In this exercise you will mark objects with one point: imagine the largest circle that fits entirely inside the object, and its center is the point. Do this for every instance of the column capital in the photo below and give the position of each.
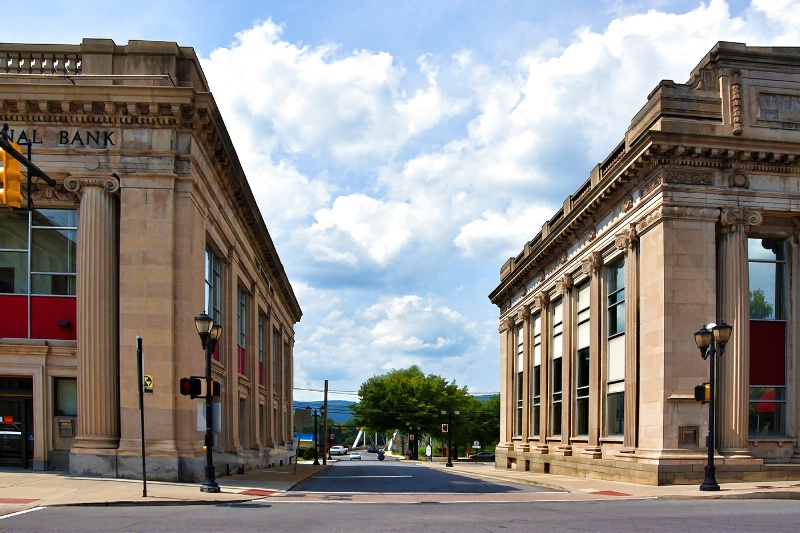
(593, 263)
(542, 299)
(739, 218)
(627, 238)
(77, 182)
(565, 284)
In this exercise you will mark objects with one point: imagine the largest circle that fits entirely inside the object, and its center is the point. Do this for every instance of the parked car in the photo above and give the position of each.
(355, 456)
(372, 448)
(338, 450)
(482, 456)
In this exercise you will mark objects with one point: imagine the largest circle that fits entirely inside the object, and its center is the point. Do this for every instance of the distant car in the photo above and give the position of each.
(372, 448)
(482, 456)
(338, 450)
(355, 456)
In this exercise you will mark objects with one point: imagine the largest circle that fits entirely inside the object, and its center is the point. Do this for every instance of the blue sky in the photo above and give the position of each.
(402, 151)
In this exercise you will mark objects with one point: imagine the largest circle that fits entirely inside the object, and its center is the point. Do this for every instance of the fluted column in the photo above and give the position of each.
(98, 305)
(734, 308)
(628, 242)
(527, 366)
(507, 345)
(794, 332)
(564, 286)
(542, 301)
(591, 266)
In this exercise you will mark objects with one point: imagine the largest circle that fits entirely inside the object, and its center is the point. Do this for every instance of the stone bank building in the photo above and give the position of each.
(693, 218)
(151, 223)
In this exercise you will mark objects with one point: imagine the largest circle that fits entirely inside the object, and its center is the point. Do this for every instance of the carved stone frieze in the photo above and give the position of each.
(47, 193)
(675, 211)
(688, 178)
(739, 179)
(736, 104)
(739, 218)
(651, 185)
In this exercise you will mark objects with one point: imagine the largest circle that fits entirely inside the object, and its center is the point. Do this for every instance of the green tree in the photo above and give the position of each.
(759, 307)
(407, 398)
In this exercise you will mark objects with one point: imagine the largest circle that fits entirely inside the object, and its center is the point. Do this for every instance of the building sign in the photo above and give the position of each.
(8, 419)
(65, 138)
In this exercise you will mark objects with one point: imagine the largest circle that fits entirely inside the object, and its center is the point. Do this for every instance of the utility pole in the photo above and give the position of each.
(325, 435)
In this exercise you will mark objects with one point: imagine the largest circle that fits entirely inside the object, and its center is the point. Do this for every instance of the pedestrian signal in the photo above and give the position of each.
(445, 428)
(191, 387)
(702, 393)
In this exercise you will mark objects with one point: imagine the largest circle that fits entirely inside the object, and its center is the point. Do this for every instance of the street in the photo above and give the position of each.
(272, 515)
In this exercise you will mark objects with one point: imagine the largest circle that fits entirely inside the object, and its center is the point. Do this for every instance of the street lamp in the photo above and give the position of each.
(712, 345)
(450, 434)
(209, 332)
(315, 415)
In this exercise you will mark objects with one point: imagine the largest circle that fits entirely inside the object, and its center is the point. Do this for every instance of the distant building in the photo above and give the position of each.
(693, 218)
(152, 222)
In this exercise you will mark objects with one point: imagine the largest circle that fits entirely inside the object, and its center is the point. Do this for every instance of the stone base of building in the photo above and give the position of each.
(686, 470)
(175, 468)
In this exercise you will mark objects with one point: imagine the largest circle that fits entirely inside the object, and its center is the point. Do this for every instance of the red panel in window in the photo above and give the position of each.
(767, 352)
(14, 317)
(46, 314)
(215, 355)
(241, 359)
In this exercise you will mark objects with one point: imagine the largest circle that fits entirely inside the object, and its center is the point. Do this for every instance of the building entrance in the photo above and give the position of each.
(16, 423)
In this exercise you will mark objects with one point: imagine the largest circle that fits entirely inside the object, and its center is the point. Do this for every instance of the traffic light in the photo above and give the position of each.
(702, 393)
(10, 179)
(191, 387)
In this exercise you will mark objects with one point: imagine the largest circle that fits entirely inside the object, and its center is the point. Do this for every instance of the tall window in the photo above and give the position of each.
(276, 337)
(262, 324)
(537, 373)
(582, 361)
(241, 326)
(767, 274)
(213, 290)
(518, 385)
(38, 260)
(557, 351)
(615, 368)
(65, 399)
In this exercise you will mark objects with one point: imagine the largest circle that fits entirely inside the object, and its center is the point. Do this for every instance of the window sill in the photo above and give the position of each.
(580, 439)
(780, 441)
(612, 440)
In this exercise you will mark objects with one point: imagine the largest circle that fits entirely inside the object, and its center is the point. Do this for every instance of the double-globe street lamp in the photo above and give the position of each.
(209, 332)
(711, 340)
(450, 434)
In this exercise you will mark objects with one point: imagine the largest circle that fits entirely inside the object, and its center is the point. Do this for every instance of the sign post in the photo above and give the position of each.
(140, 373)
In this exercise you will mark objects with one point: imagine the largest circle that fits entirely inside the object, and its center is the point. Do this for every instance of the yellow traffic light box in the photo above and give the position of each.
(10, 179)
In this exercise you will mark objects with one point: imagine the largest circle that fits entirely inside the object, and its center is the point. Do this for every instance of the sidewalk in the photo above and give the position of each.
(573, 485)
(23, 489)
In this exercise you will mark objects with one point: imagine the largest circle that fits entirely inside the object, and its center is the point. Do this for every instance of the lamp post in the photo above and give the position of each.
(450, 434)
(315, 415)
(712, 345)
(209, 332)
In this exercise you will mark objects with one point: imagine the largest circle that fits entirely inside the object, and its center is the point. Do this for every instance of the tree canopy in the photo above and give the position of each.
(407, 398)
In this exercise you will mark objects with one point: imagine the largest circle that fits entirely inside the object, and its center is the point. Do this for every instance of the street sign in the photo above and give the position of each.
(148, 383)
(411, 437)
(476, 444)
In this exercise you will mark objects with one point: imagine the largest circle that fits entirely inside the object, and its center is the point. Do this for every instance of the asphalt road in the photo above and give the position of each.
(267, 515)
(374, 477)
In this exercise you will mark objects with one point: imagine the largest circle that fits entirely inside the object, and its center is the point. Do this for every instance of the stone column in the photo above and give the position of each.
(98, 305)
(507, 344)
(527, 366)
(794, 333)
(628, 242)
(564, 286)
(734, 308)
(591, 266)
(543, 301)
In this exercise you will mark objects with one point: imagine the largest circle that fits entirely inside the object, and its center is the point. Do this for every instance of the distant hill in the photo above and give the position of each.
(338, 410)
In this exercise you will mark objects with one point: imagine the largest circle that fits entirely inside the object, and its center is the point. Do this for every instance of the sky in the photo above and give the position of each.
(401, 152)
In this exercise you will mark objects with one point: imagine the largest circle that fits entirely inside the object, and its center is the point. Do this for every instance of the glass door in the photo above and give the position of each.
(14, 448)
